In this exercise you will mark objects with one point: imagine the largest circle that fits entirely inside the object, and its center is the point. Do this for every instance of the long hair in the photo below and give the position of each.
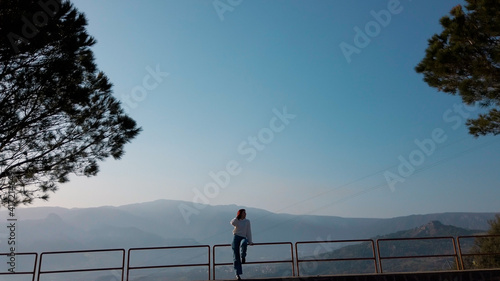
(240, 213)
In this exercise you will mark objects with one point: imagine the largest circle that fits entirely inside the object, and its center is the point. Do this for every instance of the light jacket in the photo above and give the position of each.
(242, 228)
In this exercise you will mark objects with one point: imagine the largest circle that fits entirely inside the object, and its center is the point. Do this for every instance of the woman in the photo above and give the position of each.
(242, 235)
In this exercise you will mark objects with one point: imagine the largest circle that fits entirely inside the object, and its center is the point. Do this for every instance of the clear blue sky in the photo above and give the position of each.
(307, 107)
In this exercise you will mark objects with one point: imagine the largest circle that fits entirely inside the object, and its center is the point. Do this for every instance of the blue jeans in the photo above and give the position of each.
(237, 240)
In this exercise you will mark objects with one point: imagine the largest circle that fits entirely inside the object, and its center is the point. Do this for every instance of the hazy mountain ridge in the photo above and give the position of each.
(397, 248)
(433, 229)
(160, 223)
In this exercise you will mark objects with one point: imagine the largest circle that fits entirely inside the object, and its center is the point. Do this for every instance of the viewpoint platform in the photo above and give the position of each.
(457, 275)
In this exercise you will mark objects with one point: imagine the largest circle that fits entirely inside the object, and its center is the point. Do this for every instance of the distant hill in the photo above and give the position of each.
(432, 229)
(395, 248)
(160, 223)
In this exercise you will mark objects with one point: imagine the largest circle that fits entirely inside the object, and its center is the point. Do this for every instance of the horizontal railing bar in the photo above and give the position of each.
(18, 254)
(278, 261)
(480, 236)
(273, 243)
(255, 262)
(481, 254)
(343, 259)
(84, 251)
(16, 272)
(79, 270)
(169, 247)
(255, 244)
(412, 257)
(166, 266)
(416, 238)
(336, 241)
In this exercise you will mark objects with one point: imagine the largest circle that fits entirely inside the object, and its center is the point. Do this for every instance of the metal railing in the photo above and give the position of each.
(460, 248)
(33, 273)
(291, 261)
(381, 258)
(316, 259)
(129, 268)
(92, 269)
(212, 263)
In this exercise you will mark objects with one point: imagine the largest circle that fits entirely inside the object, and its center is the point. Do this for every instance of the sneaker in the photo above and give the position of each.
(238, 277)
(243, 260)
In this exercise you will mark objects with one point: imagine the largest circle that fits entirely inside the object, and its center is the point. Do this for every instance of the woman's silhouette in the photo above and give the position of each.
(242, 237)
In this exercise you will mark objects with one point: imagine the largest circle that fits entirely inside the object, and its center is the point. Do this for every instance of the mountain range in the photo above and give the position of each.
(427, 254)
(161, 223)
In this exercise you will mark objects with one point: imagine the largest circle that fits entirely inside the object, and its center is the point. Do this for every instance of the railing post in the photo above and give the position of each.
(379, 257)
(374, 255)
(39, 267)
(456, 255)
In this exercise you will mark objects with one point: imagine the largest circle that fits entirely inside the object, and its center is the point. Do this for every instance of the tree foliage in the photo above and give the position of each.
(465, 59)
(489, 246)
(57, 112)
